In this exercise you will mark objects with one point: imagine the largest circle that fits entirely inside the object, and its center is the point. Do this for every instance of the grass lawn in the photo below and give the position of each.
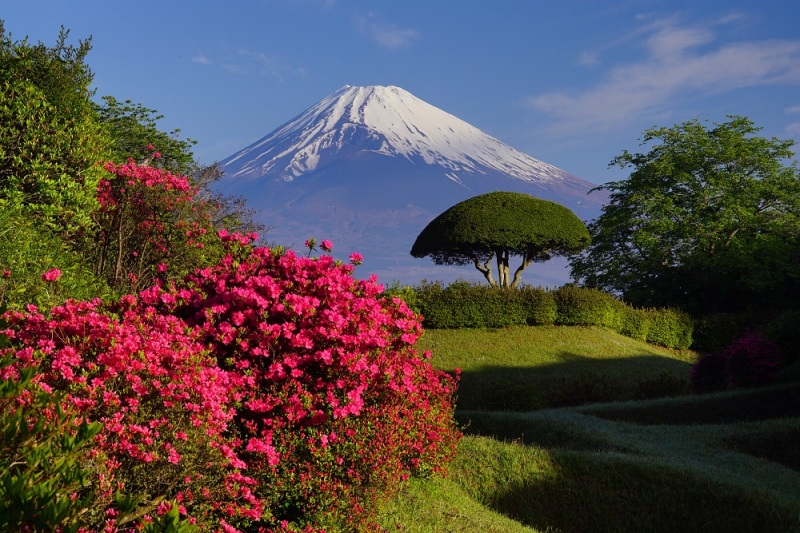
(523, 368)
(631, 454)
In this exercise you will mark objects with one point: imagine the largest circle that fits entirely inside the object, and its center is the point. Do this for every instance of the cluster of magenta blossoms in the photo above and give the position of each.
(749, 361)
(270, 392)
(149, 216)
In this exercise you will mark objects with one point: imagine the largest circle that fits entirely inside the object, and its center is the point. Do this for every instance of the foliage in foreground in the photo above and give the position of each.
(268, 392)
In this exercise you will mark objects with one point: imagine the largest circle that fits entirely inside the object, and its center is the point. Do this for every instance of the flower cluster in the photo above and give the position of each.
(149, 216)
(158, 393)
(112, 192)
(269, 392)
(750, 360)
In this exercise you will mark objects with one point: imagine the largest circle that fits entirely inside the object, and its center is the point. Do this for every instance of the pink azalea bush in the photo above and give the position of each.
(160, 396)
(750, 360)
(269, 392)
(149, 216)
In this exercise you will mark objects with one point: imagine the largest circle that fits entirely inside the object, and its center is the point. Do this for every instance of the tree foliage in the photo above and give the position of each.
(149, 218)
(50, 138)
(707, 220)
(498, 225)
(135, 135)
(28, 250)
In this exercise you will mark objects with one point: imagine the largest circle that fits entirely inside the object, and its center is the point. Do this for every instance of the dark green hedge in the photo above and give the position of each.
(469, 305)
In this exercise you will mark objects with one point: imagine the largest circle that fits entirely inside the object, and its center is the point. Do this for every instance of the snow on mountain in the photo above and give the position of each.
(388, 121)
(369, 167)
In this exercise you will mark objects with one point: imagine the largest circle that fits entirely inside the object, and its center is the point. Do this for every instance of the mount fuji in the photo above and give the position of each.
(369, 167)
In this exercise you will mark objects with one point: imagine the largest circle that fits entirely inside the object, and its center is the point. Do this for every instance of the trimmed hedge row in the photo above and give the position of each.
(469, 305)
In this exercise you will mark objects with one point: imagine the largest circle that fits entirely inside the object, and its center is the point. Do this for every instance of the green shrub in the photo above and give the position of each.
(670, 328)
(29, 250)
(539, 306)
(468, 305)
(784, 330)
(45, 460)
(635, 323)
(579, 306)
(407, 293)
(466, 308)
(715, 332)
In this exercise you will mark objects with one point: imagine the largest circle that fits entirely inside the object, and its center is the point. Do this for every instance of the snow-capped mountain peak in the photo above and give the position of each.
(388, 121)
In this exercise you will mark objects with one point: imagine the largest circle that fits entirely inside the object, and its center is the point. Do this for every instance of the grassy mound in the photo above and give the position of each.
(522, 368)
(580, 429)
(602, 491)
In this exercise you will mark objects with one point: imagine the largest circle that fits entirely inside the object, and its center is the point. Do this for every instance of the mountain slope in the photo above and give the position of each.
(369, 167)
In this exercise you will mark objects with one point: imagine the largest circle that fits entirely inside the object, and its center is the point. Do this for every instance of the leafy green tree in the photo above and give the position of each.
(707, 220)
(135, 134)
(498, 225)
(50, 138)
(27, 252)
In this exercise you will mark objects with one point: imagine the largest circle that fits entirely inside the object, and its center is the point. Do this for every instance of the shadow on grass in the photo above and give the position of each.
(744, 405)
(576, 380)
(598, 492)
(776, 441)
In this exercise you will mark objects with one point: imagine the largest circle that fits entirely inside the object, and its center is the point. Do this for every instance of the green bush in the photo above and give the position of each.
(539, 306)
(407, 293)
(670, 328)
(635, 323)
(578, 306)
(29, 250)
(468, 305)
(784, 330)
(715, 332)
(45, 460)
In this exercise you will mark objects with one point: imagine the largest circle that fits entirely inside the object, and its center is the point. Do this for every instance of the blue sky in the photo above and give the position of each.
(570, 82)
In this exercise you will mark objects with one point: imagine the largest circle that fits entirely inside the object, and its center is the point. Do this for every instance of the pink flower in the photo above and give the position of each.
(6, 273)
(356, 258)
(326, 246)
(52, 275)
(150, 147)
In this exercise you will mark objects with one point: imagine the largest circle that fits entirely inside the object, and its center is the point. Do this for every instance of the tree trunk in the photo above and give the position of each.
(502, 267)
(485, 269)
(526, 260)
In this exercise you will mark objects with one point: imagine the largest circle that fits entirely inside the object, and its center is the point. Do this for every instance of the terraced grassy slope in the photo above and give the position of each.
(607, 461)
